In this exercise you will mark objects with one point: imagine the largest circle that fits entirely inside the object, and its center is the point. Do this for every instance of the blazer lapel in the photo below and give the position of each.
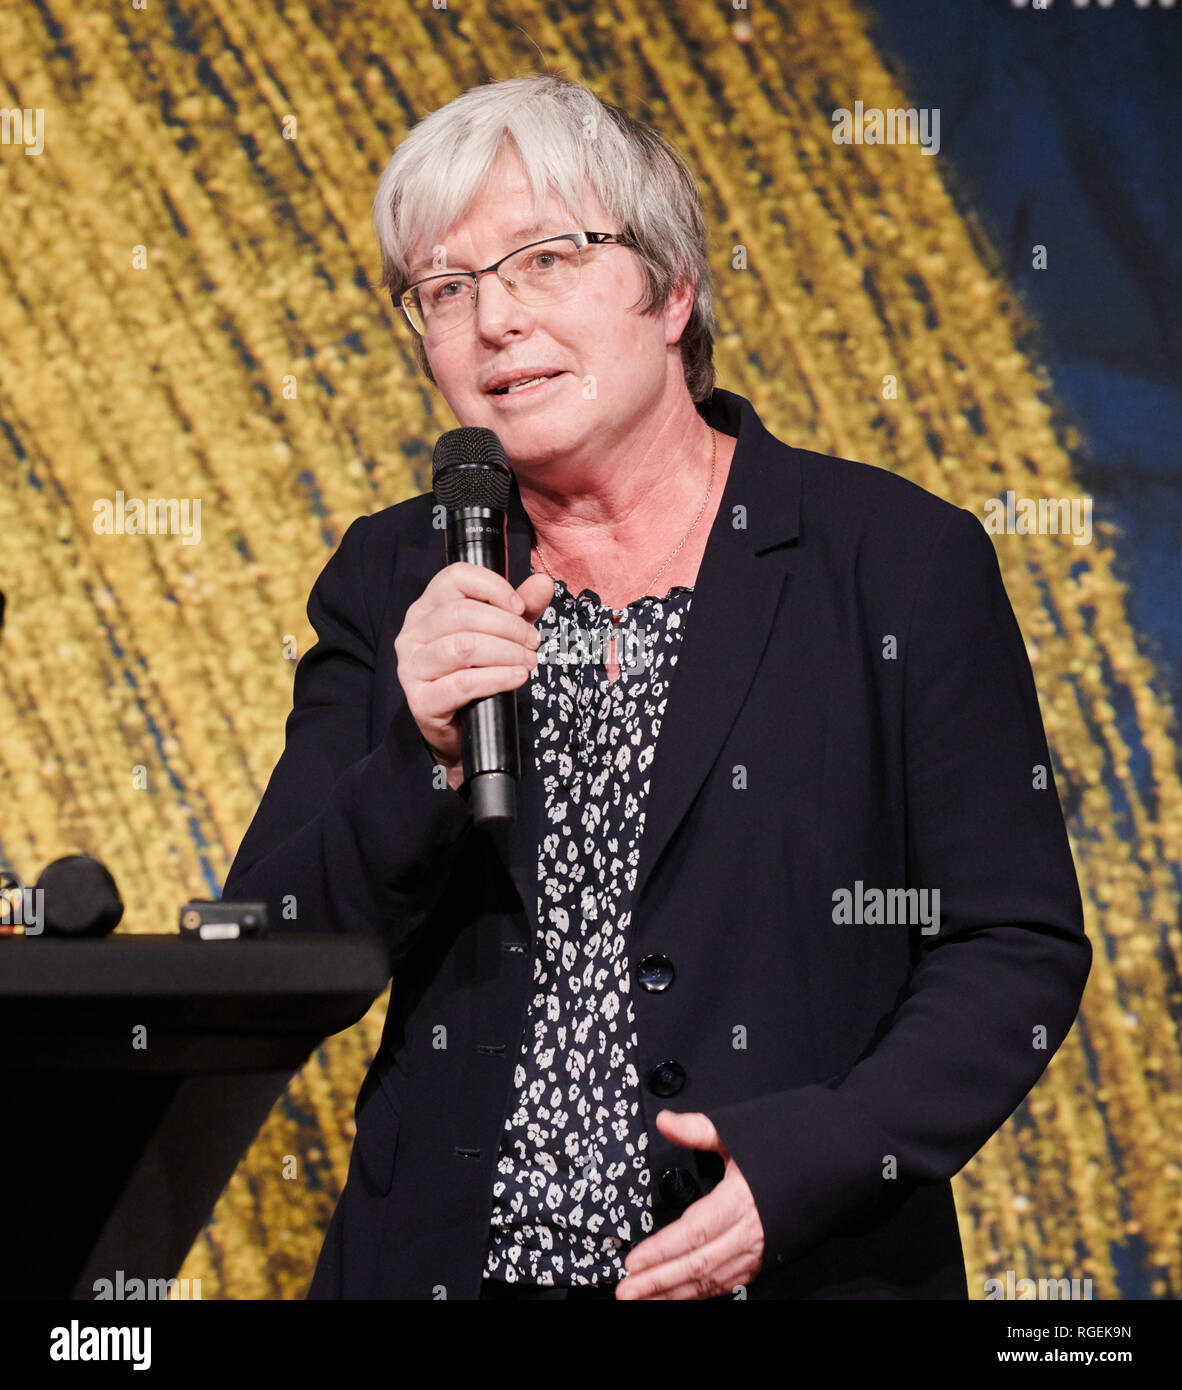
(739, 587)
(738, 590)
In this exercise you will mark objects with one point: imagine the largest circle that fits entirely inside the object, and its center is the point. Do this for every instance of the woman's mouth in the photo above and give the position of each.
(531, 386)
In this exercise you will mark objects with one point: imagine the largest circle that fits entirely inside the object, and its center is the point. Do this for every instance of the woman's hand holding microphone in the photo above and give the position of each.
(468, 635)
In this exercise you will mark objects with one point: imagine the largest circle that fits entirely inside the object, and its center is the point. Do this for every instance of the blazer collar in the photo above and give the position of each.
(736, 595)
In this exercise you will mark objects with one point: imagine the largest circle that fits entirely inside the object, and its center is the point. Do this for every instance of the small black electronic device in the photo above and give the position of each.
(205, 919)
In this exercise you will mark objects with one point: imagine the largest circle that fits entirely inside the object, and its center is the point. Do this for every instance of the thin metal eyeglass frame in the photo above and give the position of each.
(580, 239)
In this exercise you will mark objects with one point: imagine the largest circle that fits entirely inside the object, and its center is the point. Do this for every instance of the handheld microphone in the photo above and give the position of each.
(471, 480)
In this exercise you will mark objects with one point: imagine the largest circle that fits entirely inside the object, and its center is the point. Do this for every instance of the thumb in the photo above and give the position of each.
(537, 593)
(690, 1128)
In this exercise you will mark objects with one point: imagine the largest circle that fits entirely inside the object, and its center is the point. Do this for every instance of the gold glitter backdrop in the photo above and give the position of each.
(162, 372)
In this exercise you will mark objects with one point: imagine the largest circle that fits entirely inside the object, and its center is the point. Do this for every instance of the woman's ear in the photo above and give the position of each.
(678, 309)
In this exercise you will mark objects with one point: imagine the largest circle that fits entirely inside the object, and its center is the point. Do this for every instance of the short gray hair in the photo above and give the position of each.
(566, 137)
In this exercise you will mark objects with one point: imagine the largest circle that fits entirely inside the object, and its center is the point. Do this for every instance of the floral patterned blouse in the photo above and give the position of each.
(571, 1193)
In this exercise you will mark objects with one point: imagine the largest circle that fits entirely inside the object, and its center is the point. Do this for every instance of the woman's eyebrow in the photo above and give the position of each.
(422, 267)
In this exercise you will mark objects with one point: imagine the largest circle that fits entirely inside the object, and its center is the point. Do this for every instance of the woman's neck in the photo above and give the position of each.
(620, 559)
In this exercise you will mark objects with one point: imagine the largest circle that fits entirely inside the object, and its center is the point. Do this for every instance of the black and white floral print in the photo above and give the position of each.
(571, 1193)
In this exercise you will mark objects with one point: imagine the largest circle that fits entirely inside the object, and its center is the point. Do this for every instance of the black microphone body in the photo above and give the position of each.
(472, 481)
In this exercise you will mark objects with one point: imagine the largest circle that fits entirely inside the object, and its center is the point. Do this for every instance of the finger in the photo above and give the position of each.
(459, 651)
(705, 1221)
(695, 1269)
(442, 698)
(463, 614)
(723, 1282)
(537, 593)
(473, 581)
(691, 1128)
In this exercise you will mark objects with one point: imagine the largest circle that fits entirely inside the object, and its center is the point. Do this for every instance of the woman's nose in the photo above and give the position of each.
(496, 304)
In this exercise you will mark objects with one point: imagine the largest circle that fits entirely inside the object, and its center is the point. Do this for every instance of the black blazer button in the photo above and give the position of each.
(666, 1078)
(678, 1187)
(655, 973)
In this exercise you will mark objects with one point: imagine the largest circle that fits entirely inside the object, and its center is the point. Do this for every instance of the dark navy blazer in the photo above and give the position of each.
(853, 709)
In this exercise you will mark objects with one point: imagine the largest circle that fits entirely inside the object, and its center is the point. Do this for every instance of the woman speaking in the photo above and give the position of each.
(787, 924)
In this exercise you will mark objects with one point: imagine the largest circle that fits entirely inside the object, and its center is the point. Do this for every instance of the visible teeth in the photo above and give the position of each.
(529, 381)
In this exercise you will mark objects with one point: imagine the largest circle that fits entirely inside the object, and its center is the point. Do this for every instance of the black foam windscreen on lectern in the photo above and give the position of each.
(135, 1072)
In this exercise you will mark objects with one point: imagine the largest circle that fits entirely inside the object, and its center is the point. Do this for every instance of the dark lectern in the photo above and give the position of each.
(115, 1154)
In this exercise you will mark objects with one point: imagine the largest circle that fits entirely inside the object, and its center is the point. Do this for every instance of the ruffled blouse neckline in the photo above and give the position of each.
(589, 596)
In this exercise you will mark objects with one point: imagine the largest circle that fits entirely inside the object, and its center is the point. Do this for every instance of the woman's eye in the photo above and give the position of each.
(439, 292)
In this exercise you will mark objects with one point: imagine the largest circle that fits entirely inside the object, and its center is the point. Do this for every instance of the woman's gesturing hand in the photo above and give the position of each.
(715, 1246)
(468, 635)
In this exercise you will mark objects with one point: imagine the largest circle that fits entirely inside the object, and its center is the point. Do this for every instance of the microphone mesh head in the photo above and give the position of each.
(80, 897)
(469, 469)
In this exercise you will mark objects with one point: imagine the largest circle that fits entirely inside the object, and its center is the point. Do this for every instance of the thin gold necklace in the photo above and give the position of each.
(701, 509)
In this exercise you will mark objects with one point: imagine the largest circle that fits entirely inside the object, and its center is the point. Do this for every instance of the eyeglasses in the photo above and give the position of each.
(539, 273)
